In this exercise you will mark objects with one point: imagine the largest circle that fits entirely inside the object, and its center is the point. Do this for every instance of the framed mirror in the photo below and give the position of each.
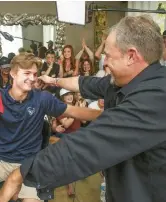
(26, 28)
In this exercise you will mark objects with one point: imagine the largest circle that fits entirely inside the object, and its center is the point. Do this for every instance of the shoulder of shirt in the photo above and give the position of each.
(148, 87)
(150, 81)
(3, 90)
(46, 95)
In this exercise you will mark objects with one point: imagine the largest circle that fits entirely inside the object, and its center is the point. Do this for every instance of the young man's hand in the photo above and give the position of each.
(60, 129)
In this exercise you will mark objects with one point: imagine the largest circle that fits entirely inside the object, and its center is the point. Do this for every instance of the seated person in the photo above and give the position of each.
(5, 78)
(68, 123)
(86, 68)
(57, 129)
(84, 54)
(52, 69)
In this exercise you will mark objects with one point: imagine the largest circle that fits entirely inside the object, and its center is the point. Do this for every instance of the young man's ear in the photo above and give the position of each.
(12, 73)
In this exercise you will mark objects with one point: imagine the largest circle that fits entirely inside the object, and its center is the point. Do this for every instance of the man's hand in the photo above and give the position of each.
(39, 84)
(12, 186)
(47, 79)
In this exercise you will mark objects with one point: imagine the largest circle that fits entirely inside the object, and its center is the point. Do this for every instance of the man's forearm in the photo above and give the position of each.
(69, 83)
(82, 113)
(90, 114)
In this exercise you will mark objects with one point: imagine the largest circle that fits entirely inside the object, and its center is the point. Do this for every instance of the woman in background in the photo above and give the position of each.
(86, 68)
(68, 62)
(5, 78)
(84, 54)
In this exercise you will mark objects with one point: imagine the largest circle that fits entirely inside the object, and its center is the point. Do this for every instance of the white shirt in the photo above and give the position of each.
(94, 105)
(101, 62)
(100, 73)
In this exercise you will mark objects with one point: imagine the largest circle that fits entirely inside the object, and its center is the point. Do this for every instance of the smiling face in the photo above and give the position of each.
(67, 53)
(5, 71)
(50, 58)
(86, 66)
(120, 65)
(101, 103)
(24, 79)
(68, 98)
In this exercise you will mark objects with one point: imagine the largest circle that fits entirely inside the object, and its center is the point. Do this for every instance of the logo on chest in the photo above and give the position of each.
(31, 110)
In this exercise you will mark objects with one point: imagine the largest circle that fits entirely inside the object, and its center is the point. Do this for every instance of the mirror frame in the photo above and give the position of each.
(24, 19)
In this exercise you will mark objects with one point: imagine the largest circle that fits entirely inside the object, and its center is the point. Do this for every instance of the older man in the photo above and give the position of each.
(129, 139)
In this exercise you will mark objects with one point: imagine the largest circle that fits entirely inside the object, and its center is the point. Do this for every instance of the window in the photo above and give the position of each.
(49, 33)
(8, 46)
(148, 5)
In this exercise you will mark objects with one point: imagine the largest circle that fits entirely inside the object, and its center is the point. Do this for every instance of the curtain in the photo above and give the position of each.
(8, 46)
(49, 33)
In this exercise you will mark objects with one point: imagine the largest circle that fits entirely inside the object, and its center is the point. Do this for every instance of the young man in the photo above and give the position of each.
(128, 140)
(22, 120)
(50, 67)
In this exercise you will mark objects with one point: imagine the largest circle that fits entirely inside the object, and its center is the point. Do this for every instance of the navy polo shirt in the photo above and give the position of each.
(21, 123)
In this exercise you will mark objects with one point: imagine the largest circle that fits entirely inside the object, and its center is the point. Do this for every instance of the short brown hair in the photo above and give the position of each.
(25, 61)
(141, 32)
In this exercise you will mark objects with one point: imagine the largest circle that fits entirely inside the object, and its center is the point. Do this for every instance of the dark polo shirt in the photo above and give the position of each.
(21, 123)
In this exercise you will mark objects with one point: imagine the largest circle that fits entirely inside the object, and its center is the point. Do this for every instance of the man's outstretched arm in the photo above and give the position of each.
(90, 87)
(82, 113)
(70, 83)
(116, 136)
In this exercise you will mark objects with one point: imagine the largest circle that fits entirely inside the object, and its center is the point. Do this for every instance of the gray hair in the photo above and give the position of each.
(142, 33)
